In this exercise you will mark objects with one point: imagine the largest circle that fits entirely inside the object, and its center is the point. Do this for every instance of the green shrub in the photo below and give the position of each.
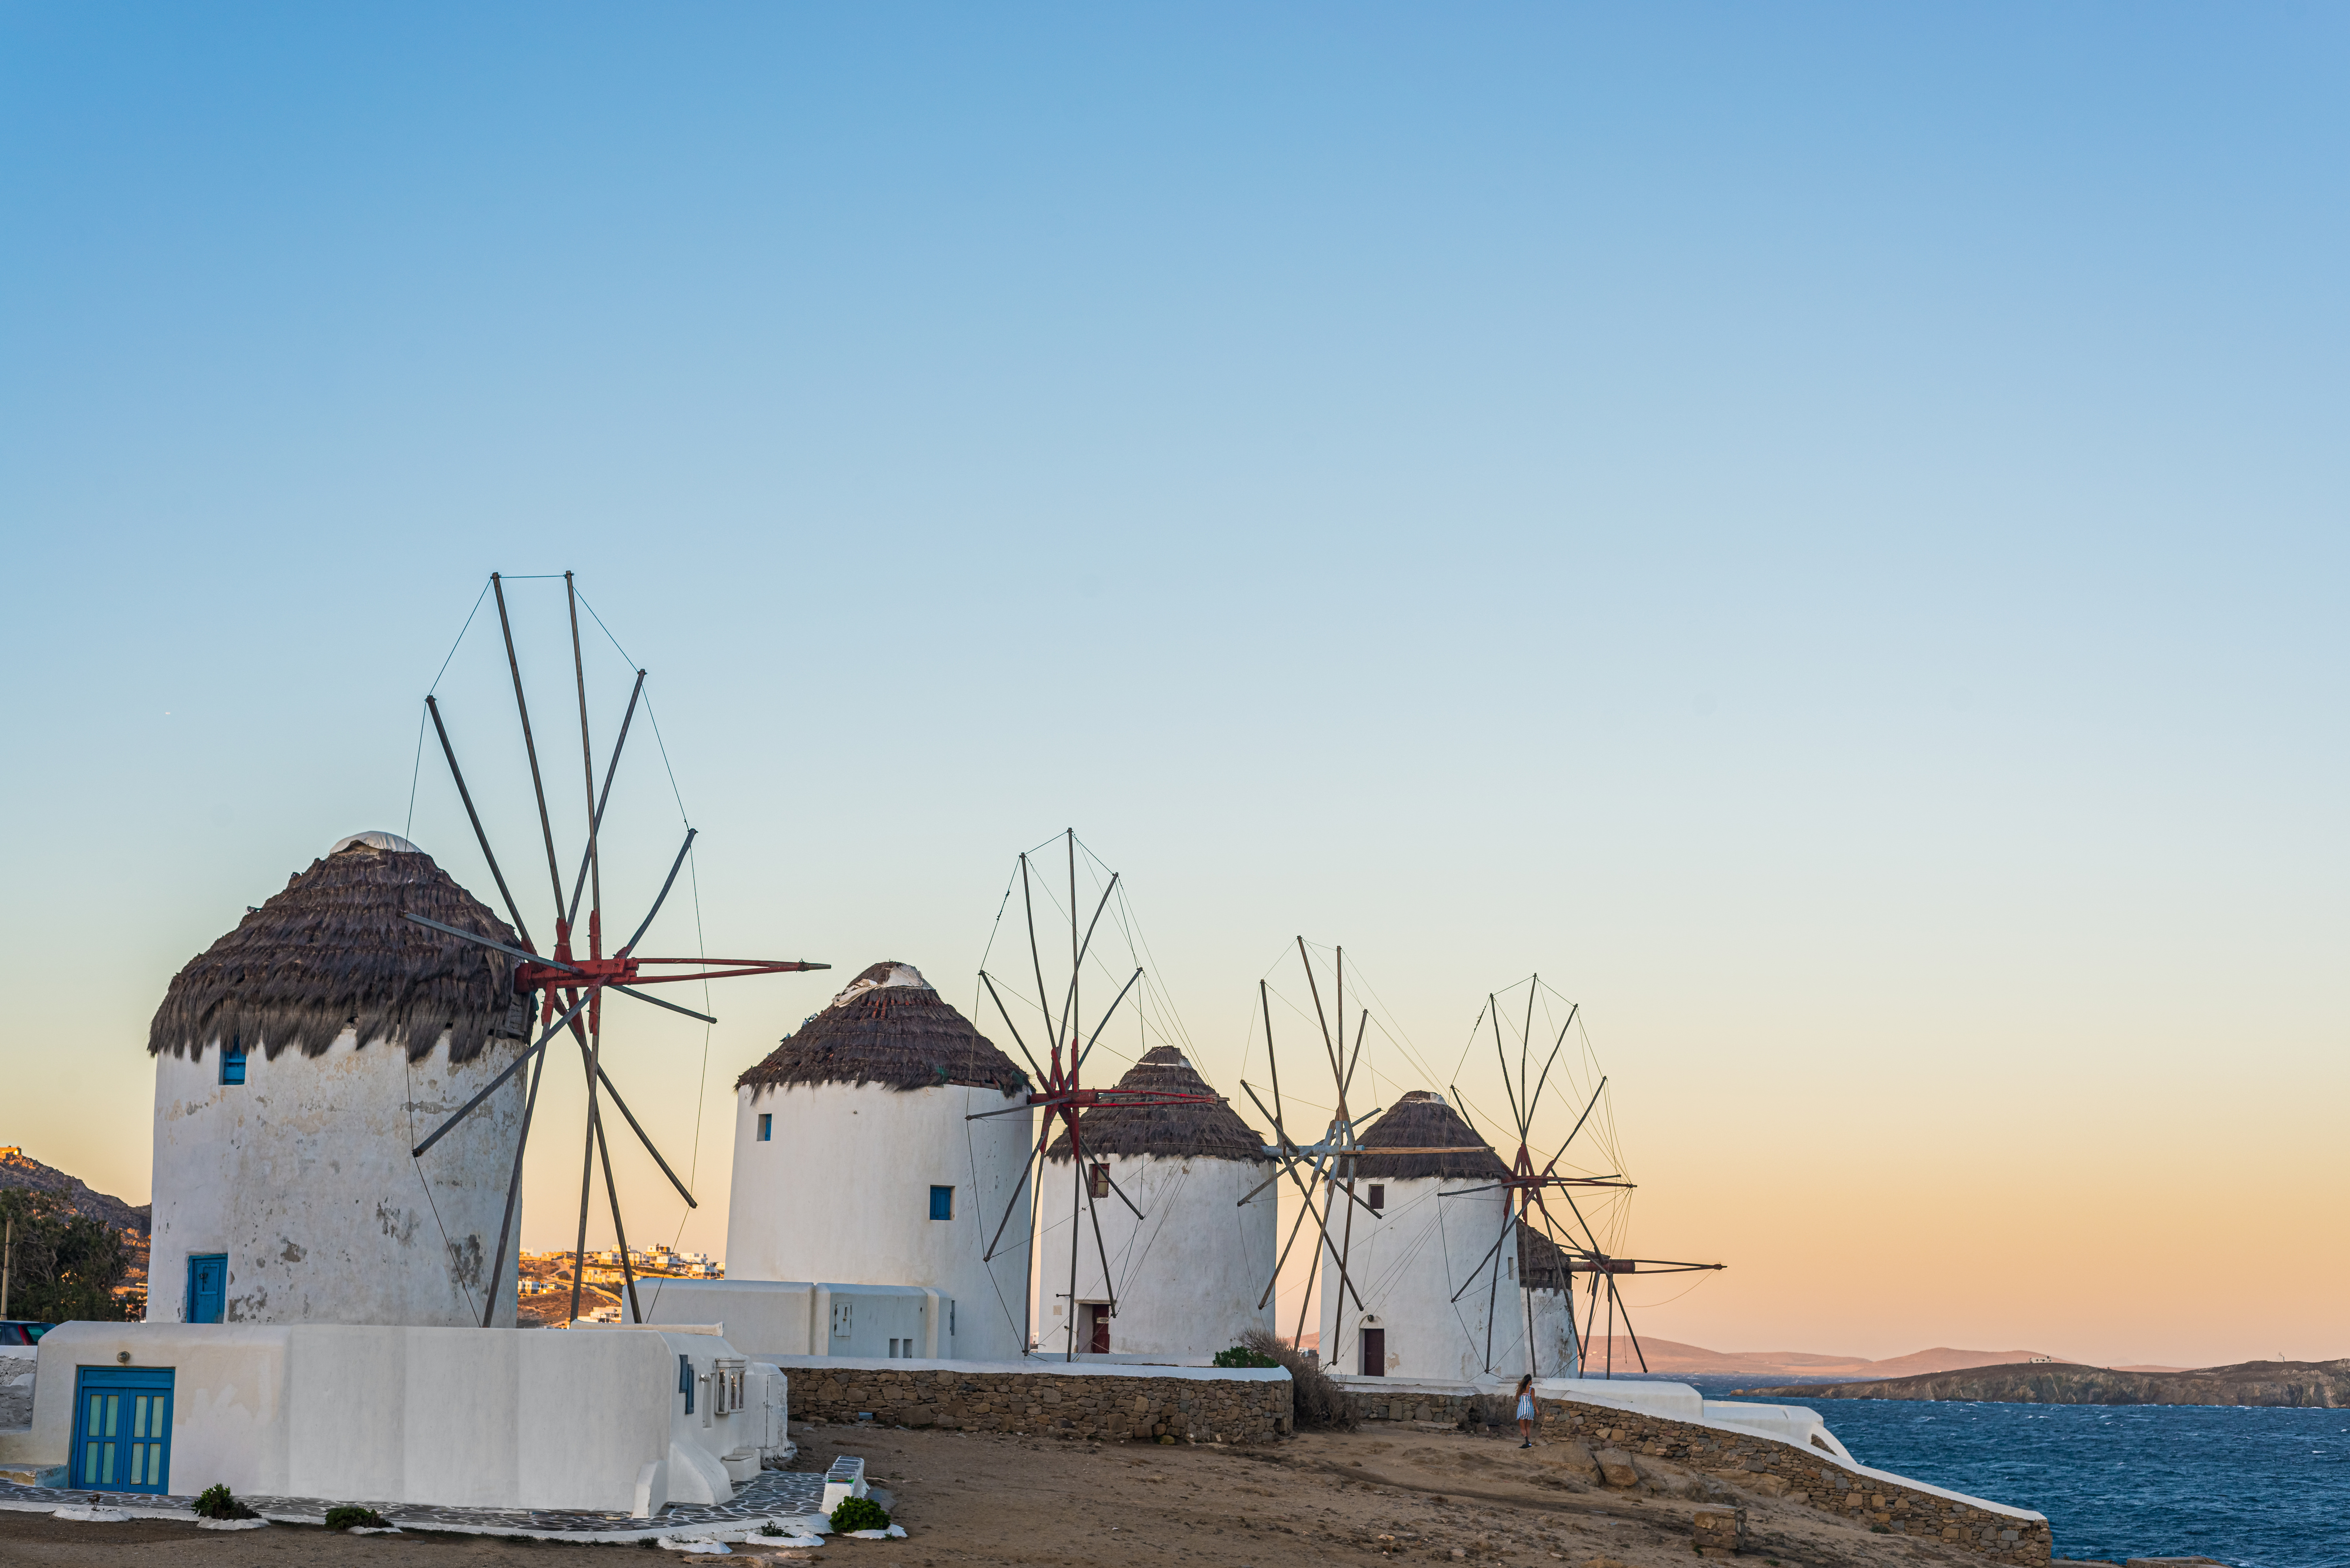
(217, 1502)
(859, 1513)
(343, 1516)
(1244, 1355)
(63, 1266)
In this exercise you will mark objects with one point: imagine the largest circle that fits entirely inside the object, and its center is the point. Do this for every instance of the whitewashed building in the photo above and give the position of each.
(1424, 1235)
(1187, 1273)
(297, 1060)
(856, 1162)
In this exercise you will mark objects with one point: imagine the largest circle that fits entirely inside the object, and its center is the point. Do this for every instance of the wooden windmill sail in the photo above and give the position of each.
(1542, 1253)
(1057, 1089)
(571, 984)
(1324, 1167)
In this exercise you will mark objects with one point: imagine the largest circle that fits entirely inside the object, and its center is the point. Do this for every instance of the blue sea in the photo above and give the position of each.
(2256, 1487)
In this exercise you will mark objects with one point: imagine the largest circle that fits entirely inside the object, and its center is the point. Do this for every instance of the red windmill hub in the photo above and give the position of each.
(571, 986)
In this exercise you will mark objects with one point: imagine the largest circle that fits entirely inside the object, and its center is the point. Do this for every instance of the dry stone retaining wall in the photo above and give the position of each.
(1049, 1404)
(1757, 1462)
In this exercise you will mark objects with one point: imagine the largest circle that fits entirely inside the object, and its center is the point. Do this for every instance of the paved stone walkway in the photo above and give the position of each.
(790, 1499)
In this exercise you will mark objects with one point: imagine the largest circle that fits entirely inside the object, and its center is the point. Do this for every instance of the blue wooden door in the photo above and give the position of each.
(122, 1429)
(207, 1286)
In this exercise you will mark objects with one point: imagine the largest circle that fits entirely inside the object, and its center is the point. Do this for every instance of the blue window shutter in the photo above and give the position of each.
(685, 1381)
(766, 1126)
(231, 1062)
(942, 1202)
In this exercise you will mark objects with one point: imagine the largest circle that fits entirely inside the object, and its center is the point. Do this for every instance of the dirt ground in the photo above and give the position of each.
(968, 1498)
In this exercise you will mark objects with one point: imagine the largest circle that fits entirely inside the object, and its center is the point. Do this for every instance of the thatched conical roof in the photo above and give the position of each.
(889, 1026)
(333, 952)
(1422, 1120)
(1542, 1264)
(1212, 1132)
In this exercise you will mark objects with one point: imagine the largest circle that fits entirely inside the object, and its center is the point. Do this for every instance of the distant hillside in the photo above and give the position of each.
(1693, 1360)
(19, 1169)
(2324, 1385)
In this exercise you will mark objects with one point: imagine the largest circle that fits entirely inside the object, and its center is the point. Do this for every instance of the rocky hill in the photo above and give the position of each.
(19, 1169)
(2322, 1384)
(1671, 1356)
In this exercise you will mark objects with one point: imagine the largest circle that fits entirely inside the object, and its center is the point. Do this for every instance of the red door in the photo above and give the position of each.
(1100, 1313)
(1375, 1352)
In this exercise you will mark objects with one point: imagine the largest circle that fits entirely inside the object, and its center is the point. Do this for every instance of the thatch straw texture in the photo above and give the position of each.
(333, 952)
(1422, 1120)
(1541, 1266)
(1212, 1132)
(887, 1027)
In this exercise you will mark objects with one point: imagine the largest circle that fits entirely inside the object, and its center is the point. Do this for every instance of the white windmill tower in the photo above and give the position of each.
(866, 1152)
(289, 1057)
(1187, 1222)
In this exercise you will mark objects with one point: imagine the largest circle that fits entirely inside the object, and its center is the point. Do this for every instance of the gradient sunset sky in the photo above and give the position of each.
(1820, 529)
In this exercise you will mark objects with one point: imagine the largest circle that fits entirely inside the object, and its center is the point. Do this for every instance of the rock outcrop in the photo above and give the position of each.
(2323, 1384)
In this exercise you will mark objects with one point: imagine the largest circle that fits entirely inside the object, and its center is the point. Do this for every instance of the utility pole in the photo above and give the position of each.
(7, 1256)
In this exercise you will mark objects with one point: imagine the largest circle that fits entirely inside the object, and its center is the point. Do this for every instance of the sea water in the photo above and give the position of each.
(2257, 1486)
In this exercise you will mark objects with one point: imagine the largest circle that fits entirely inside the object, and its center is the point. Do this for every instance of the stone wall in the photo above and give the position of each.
(16, 1387)
(1048, 1404)
(1617, 1438)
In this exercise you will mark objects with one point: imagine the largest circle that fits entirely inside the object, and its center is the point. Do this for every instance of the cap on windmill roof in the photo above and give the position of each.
(887, 1026)
(1213, 1131)
(376, 838)
(333, 951)
(1422, 1120)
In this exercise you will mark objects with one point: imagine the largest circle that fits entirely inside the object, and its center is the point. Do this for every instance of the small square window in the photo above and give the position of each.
(942, 1202)
(231, 1066)
(1100, 1181)
(766, 1126)
(1378, 1196)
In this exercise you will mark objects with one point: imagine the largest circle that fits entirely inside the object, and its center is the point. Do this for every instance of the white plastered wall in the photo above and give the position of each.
(463, 1417)
(1432, 1238)
(771, 1318)
(841, 1192)
(302, 1176)
(1188, 1273)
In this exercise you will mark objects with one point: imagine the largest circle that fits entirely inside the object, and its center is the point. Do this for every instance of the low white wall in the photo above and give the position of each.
(464, 1417)
(775, 1318)
(1797, 1424)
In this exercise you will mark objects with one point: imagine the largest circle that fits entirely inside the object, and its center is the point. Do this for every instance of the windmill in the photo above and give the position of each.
(1524, 1190)
(571, 984)
(1328, 1159)
(1058, 1090)
(1330, 1167)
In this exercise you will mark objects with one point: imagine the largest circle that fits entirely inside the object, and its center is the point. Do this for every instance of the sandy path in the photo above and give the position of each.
(983, 1499)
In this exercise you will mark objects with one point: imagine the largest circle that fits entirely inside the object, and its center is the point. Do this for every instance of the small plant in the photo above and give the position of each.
(772, 1528)
(347, 1515)
(859, 1513)
(1244, 1355)
(218, 1502)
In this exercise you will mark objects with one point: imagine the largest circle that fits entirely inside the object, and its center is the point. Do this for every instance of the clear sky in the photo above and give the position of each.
(1820, 529)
